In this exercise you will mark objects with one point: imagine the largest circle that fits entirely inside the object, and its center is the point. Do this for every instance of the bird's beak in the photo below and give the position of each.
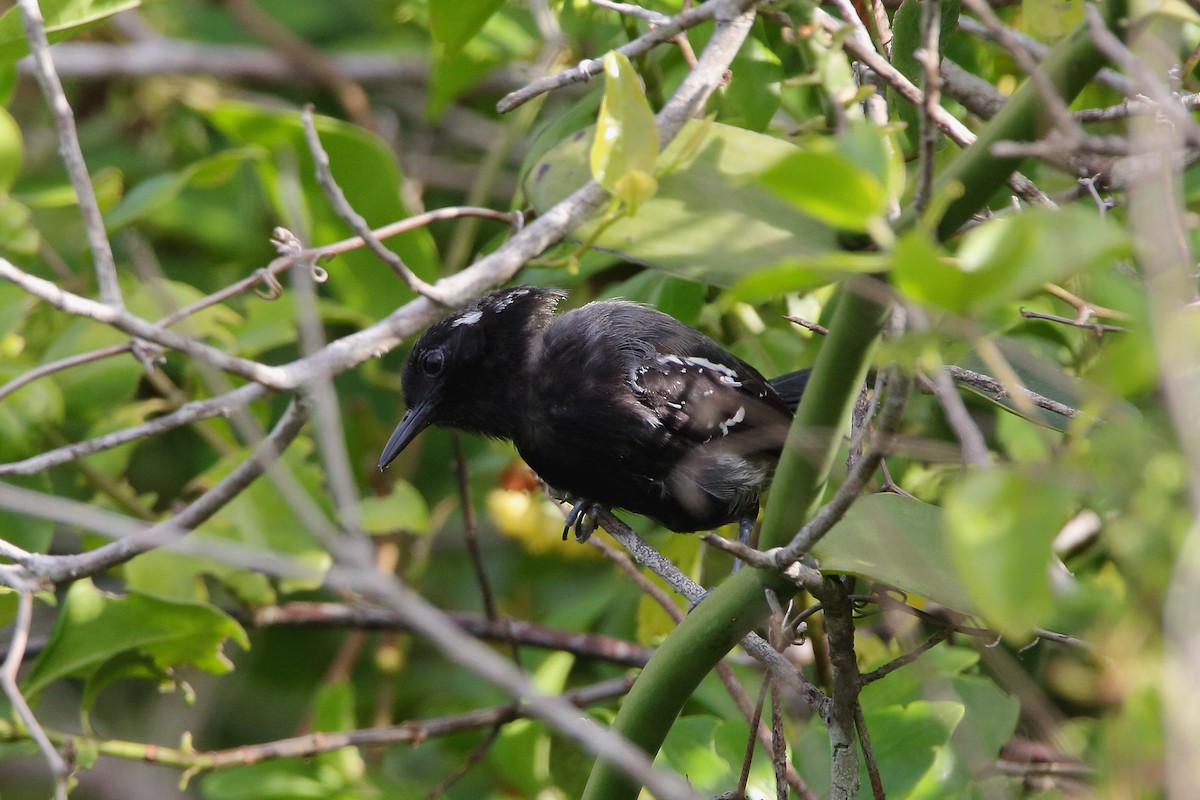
(415, 420)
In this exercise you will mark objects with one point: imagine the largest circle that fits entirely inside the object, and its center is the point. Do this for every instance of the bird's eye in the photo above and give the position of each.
(432, 362)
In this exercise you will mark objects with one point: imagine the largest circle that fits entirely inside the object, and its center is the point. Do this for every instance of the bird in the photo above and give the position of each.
(613, 404)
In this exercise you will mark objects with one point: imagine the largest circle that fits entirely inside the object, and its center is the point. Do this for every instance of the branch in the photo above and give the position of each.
(222, 405)
(8, 679)
(584, 645)
(588, 68)
(72, 153)
(946, 122)
(324, 741)
(134, 537)
(352, 218)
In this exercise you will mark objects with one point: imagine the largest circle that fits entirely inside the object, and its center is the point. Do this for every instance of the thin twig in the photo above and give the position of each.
(588, 68)
(1052, 101)
(8, 678)
(312, 744)
(955, 130)
(1040, 50)
(988, 384)
(529, 634)
(724, 671)
(970, 438)
(864, 741)
(754, 644)
(137, 538)
(942, 635)
(804, 323)
(72, 154)
(355, 220)
(930, 58)
(1095, 327)
(1148, 83)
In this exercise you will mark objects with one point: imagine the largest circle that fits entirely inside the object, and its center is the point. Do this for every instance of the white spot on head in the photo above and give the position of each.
(734, 420)
(508, 298)
(467, 318)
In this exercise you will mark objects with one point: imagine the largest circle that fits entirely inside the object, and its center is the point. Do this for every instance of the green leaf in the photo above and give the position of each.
(454, 22)
(154, 193)
(710, 221)
(1005, 258)
(690, 750)
(63, 19)
(804, 274)
(17, 234)
(899, 541)
(831, 188)
(906, 740)
(368, 172)
(93, 627)
(1000, 525)
(625, 145)
(12, 150)
(27, 415)
(402, 510)
(1050, 21)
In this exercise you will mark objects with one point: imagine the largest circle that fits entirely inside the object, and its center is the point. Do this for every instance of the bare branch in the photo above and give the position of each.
(8, 679)
(585, 645)
(136, 538)
(72, 153)
(352, 218)
(222, 405)
(587, 69)
(947, 122)
(118, 317)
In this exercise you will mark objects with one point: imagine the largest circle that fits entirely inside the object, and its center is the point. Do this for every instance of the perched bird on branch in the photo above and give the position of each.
(613, 405)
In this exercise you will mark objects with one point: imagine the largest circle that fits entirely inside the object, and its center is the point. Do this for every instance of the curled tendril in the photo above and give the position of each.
(319, 274)
(269, 287)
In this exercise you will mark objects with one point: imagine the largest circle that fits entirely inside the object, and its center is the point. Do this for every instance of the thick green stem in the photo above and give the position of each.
(738, 605)
(1069, 67)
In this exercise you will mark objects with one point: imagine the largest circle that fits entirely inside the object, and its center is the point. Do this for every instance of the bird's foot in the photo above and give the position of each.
(583, 517)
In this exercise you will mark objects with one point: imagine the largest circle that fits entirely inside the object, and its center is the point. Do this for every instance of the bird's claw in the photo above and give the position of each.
(583, 517)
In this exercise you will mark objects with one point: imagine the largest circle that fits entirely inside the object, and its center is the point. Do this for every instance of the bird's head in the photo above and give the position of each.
(466, 368)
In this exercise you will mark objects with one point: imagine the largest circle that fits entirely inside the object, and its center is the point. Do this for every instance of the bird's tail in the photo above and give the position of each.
(790, 386)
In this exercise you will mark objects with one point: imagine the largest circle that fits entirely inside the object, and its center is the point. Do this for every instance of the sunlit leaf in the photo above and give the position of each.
(1000, 526)
(402, 510)
(829, 187)
(1005, 259)
(12, 150)
(64, 18)
(625, 145)
(710, 220)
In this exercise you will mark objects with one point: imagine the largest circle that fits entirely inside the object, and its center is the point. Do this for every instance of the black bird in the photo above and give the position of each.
(613, 405)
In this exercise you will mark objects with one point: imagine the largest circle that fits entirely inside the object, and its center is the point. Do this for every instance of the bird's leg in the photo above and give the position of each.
(583, 517)
(745, 528)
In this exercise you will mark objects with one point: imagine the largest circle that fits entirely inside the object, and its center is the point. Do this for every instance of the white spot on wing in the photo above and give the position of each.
(734, 420)
(727, 375)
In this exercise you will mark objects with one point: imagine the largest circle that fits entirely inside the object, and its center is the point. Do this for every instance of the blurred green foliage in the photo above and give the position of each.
(193, 172)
